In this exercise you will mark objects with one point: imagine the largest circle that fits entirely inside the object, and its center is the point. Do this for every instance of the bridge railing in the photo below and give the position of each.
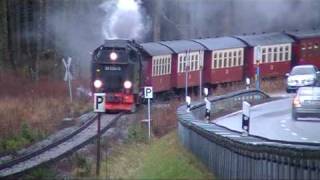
(232, 156)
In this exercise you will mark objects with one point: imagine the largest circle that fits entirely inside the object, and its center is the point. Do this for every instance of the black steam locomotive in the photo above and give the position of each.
(116, 70)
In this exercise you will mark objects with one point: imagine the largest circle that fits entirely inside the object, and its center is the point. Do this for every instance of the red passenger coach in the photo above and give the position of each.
(187, 55)
(223, 59)
(157, 66)
(306, 47)
(276, 54)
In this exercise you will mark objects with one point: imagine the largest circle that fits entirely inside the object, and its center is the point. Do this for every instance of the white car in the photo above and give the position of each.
(300, 76)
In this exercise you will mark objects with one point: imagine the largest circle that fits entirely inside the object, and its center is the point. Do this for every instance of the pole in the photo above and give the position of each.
(98, 146)
(258, 77)
(187, 72)
(149, 119)
(70, 88)
(200, 86)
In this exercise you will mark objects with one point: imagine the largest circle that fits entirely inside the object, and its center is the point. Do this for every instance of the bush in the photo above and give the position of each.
(83, 166)
(40, 173)
(136, 133)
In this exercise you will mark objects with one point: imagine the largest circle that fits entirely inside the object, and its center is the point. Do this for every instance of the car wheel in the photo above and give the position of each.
(294, 115)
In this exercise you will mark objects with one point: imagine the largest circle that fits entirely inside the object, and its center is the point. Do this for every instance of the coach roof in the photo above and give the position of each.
(221, 43)
(156, 49)
(305, 34)
(266, 39)
(182, 45)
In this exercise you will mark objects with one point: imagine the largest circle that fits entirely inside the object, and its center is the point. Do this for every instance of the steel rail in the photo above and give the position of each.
(38, 152)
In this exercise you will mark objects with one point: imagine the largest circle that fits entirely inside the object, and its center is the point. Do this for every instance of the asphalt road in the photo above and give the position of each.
(273, 121)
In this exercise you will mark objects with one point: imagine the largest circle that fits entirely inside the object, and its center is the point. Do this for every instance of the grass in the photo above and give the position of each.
(163, 158)
(38, 107)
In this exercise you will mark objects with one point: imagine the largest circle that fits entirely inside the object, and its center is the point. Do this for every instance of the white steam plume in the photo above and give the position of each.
(124, 19)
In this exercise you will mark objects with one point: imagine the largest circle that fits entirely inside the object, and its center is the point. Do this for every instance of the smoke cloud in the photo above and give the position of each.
(182, 19)
(124, 19)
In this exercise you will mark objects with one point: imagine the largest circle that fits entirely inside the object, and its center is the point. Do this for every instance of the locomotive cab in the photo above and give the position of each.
(115, 71)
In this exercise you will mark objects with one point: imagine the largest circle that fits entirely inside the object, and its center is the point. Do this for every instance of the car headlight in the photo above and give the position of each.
(309, 81)
(291, 82)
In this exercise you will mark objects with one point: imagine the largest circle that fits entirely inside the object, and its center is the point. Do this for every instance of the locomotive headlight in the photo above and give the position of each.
(113, 56)
(97, 84)
(127, 84)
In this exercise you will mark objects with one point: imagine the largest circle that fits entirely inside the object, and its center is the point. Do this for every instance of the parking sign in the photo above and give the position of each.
(148, 92)
(99, 101)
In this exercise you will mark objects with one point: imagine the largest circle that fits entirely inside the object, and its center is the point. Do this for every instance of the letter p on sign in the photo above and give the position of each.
(99, 102)
(148, 93)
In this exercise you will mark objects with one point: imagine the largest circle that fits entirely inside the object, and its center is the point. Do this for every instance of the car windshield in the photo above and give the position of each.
(310, 92)
(302, 70)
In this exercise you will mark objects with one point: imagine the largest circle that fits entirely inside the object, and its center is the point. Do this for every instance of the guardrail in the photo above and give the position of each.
(232, 156)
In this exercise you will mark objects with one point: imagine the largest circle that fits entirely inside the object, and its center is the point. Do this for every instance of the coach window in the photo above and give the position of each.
(225, 59)
(159, 66)
(286, 57)
(269, 55)
(196, 63)
(214, 60)
(165, 65)
(281, 53)
(169, 65)
(191, 61)
(275, 54)
(239, 57)
(235, 58)
(264, 54)
(229, 59)
(220, 60)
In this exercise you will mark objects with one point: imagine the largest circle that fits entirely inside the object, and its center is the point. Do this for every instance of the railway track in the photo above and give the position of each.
(60, 148)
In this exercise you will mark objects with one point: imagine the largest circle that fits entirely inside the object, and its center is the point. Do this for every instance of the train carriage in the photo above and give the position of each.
(276, 54)
(306, 48)
(157, 66)
(188, 55)
(223, 59)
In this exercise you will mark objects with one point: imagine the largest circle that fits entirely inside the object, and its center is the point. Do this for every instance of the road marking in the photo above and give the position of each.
(283, 121)
(287, 129)
(303, 138)
(294, 134)
(283, 125)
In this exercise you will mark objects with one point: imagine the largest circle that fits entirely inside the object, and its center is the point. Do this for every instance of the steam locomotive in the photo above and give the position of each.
(115, 68)
(120, 68)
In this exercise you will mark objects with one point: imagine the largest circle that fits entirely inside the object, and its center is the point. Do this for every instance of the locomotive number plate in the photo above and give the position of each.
(112, 68)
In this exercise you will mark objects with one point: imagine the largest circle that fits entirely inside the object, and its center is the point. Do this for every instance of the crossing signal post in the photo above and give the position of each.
(99, 107)
(68, 76)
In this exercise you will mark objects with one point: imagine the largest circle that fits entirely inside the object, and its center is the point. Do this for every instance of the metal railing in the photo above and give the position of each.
(232, 156)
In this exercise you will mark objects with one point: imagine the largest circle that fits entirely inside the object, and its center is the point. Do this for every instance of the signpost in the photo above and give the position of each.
(188, 101)
(99, 107)
(247, 83)
(148, 94)
(186, 68)
(200, 75)
(258, 57)
(246, 117)
(68, 75)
